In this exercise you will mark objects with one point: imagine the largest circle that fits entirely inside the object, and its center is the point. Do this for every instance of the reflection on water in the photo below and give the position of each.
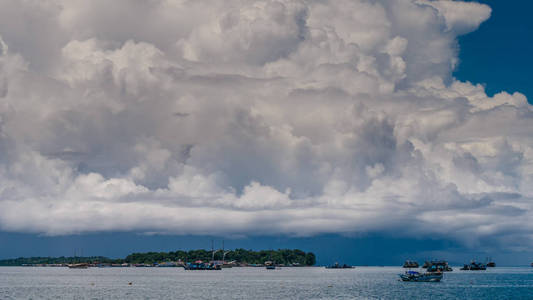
(258, 283)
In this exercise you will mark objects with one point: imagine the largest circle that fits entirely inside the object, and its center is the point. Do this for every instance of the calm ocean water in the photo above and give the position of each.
(258, 283)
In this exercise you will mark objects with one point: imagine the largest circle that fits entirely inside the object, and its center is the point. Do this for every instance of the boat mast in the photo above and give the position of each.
(224, 252)
(212, 250)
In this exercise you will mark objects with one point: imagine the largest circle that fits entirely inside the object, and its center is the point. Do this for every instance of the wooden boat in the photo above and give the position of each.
(200, 265)
(490, 263)
(474, 266)
(410, 264)
(437, 266)
(269, 265)
(78, 266)
(339, 266)
(421, 277)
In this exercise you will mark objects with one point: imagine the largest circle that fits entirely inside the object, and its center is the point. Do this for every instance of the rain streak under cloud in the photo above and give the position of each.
(256, 117)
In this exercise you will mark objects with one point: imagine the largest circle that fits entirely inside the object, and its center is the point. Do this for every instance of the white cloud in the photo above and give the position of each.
(292, 117)
(460, 17)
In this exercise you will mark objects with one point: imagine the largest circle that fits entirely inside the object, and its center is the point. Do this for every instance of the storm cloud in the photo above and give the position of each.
(256, 117)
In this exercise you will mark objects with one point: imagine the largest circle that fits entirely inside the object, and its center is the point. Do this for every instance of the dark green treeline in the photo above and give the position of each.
(280, 256)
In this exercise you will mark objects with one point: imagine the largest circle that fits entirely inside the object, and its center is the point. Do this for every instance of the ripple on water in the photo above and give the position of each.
(258, 283)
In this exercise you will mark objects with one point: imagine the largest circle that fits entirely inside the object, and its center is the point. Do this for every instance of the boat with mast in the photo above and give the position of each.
(201, 265)
(410, 264)
(474, 266)
(269, 264)
(224, 253)
(490, 263)
(437, 265)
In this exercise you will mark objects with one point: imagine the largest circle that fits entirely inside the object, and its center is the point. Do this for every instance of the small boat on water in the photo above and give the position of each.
(269, 265)
(421, 277)
(437, 266)
(200, 265)
(78, 266)
(490, 263)
(410, 264)
(474, 266)
(339, 266)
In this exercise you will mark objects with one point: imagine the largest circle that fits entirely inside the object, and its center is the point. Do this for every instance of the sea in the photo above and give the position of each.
(259, 283)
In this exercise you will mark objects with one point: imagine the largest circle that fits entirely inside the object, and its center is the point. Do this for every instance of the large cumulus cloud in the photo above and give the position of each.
(246, 117)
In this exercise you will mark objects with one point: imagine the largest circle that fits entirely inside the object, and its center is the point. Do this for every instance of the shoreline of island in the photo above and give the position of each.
(230, 258)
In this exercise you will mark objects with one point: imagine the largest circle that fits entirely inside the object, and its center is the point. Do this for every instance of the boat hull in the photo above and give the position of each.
(473, 266)
(421, 277)
(437, 266)
(78, 266)
(201, 266)
(410, 264)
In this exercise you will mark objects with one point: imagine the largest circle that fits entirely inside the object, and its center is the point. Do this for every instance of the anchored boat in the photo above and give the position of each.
(490, 263)
(410, 264)
(339, 266)
(200, 265)
(474, 266)
(421, 277)
(269, 265)
(437, 266)
(78, 266)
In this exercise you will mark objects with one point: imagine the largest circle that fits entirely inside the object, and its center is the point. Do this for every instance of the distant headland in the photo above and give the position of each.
(236, 258)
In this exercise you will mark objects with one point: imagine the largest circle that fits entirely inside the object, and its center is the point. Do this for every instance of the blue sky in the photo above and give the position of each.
(498, 54)
(323, 119)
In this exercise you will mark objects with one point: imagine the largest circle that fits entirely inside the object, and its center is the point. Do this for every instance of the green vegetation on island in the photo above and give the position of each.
(281, 256)
(242, 256)
(22, 261)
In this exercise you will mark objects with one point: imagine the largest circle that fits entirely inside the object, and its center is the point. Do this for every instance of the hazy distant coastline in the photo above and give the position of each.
(238, 257)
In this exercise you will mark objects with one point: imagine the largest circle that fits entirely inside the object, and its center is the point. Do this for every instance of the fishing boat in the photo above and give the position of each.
(474, 266)
(421, 277)
(336, 265)
(223, 263)
(269, 265)
(78, 266)
(200, 265)
(410, 264)
(167, 264)
(437, 265)
(490, 263)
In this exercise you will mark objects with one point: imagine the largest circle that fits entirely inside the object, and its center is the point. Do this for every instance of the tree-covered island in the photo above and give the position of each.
(239, 257)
